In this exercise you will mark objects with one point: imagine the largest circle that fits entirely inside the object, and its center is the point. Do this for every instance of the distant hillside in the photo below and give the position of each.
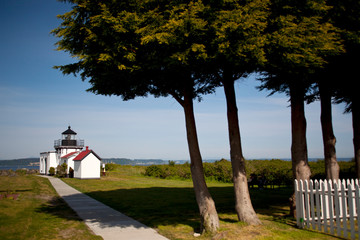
(142, 162)
(22, 161)
(121, 161)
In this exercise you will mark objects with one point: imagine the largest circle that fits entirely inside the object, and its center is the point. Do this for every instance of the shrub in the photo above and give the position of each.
(110, 167)
(52, 171)
(181, 171)
(21, 172)
(276, 172)
(71, 172)
(219, 170)
(155, 171)
(61, 170)
(347, 169)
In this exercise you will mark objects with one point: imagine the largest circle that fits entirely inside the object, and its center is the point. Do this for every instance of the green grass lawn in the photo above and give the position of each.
(31, 209)
(170, 207)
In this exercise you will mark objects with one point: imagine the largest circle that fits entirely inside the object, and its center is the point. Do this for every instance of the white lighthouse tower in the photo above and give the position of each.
(66, 149)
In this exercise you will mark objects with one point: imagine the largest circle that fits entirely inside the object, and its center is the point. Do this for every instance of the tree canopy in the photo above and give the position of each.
(299, 42)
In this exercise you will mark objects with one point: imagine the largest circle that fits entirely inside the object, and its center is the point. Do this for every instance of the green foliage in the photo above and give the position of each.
(61, 170)
(169, 171)
(155, 171)
(110, 166)
(21, 172)
(345, 15)
(238, 38)
(347, 169)
(52, 171)
(276, 172)
(299, 42)
(220, 171)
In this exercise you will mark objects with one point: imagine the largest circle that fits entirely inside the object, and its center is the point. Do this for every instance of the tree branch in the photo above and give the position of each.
(177, 98)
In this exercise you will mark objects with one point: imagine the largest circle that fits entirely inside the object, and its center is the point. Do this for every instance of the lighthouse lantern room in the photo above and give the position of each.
(68, 143)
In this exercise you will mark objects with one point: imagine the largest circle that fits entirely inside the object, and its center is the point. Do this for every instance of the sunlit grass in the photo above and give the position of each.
(170, 206)
(37, 212)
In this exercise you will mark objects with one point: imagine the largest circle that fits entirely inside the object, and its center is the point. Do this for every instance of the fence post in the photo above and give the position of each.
(331, 206)
(300, 211)
(312, 205)
(344, 208)
(307, 207)
(337, 208)
(351, 210)
(297, 201)
(317, 201)
(323, 194)
(357, 197)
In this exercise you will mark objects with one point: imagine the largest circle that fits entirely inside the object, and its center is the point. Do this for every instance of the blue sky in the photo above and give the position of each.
(37, 103)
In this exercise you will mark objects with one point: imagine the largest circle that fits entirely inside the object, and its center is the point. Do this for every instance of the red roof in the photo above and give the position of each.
(83, 154)
(69, 155)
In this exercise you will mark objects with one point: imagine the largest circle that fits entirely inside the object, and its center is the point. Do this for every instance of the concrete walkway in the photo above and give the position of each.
(101, 219)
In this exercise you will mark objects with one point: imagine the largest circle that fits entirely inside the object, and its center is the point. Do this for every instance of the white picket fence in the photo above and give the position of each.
(333, 207)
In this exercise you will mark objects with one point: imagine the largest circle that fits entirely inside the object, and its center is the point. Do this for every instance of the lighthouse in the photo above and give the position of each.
(85, 164)
(66, 149)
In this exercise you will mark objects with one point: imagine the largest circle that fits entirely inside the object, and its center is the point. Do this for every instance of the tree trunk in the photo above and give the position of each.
(208, 213)
(356, 130)
(243, 205)
(299, 156)
(332, 168)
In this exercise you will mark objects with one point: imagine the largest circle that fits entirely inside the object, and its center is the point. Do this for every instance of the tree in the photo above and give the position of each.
(130, 49)
(324, 89)
(174, 35)
(346, 16)
(332, 169)
(299, 41)
(236, 50)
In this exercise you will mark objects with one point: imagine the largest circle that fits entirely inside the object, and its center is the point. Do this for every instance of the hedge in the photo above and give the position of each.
(276, 172)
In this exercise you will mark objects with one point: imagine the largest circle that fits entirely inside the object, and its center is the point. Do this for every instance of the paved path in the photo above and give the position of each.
(101, 219)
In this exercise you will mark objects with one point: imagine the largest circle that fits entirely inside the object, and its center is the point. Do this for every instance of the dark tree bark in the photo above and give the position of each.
(243, 205)
(208, 213)
(332, 168)
(299, 155)
(356, 131)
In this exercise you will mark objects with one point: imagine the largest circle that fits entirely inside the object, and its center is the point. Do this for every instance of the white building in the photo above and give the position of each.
(47, 160)
(69, 160)
(66, 151)
(87, 165)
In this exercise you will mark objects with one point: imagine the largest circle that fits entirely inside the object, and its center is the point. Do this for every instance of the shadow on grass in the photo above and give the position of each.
(158, 206)
(162, 206)
(56, 206)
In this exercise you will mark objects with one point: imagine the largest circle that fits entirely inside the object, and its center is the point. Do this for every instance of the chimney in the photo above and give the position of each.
(87, 148)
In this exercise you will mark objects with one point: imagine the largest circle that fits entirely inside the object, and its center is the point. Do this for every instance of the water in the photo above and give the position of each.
(15, 167)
